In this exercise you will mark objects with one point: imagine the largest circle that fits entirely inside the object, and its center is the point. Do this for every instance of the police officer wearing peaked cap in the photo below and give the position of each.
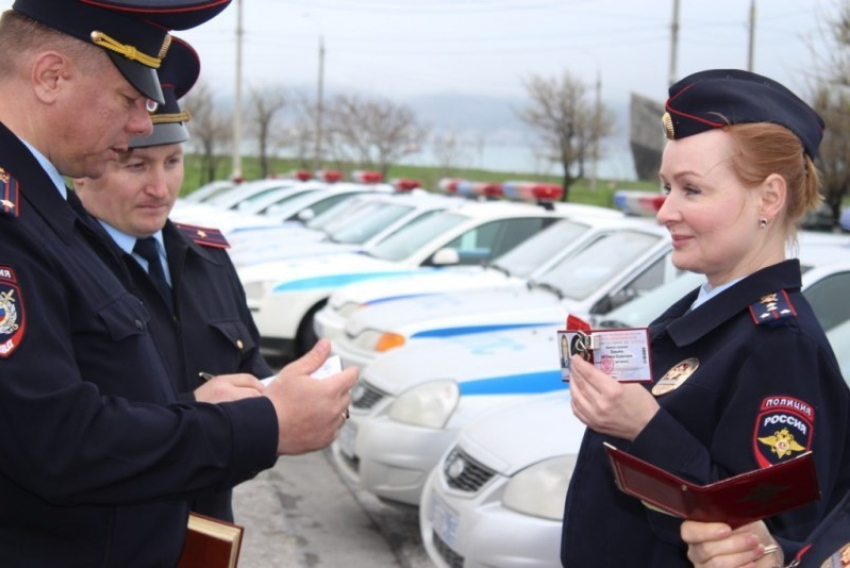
(99, 457)
(743, 375)
(199, 317)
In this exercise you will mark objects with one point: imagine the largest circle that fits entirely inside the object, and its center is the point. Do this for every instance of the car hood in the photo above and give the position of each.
(518, 436)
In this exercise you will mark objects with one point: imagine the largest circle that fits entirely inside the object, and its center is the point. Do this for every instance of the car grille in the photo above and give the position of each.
(464, 473)
(366, 396)
(452, 558)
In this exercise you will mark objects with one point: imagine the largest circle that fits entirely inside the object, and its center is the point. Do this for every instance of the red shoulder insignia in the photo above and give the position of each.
(12, 318)
(773, 309)
(785, 427)
(203, 236)
(8, 194)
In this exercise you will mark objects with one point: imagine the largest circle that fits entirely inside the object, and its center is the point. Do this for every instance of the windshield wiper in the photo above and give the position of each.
(501, 269)
(549, 287)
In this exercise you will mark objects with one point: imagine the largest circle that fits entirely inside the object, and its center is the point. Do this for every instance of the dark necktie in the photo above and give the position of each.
(147, 249)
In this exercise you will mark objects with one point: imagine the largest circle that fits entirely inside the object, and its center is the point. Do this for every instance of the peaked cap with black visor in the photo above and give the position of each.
(179, 72)
(134, 33)
(720, 97)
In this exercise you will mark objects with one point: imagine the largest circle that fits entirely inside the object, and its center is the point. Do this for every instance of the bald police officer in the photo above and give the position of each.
(98, 456)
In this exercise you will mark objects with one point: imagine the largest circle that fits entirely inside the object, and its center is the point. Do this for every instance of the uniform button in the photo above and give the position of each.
(140, 325)
(239, 344)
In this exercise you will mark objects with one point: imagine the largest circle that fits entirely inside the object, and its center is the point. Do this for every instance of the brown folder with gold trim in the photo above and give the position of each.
(736, 500)
(211, 543)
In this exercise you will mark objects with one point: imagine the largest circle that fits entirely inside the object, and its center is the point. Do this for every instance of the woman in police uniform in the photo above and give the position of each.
(715, 544)
(744, 376)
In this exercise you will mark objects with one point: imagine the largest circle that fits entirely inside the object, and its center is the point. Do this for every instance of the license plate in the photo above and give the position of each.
(443, 521)
(347, 437)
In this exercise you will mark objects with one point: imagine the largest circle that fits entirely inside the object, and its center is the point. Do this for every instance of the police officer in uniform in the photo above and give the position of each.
(744, 376)
(99, 458)
(199, 318)
(715, 545)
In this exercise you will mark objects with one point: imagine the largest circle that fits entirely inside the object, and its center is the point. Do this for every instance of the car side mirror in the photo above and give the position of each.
(445, 257)
(306, 215)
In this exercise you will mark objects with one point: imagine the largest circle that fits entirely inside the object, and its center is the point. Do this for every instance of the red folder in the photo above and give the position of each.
(211, 543)
(736, 501)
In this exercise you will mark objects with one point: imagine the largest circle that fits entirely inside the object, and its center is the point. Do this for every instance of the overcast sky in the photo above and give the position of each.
(400, 48)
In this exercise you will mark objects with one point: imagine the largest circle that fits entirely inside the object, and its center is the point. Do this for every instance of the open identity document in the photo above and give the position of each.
(736, 500)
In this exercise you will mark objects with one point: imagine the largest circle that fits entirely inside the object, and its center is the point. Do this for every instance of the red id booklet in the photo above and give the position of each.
(736, 501)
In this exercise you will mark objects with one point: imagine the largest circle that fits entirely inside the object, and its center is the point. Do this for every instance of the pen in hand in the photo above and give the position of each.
(205, 376)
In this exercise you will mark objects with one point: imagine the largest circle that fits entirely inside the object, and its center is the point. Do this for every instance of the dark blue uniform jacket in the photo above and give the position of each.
(98, 459)
(761, 393)
(829, 545)
(211, 329)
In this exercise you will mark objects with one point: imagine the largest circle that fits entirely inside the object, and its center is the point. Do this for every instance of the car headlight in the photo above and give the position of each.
(540, 490)
(389, 340)
(429, 405)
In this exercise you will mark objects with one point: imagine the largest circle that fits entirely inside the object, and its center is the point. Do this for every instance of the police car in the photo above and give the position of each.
(617, 261)
(209, 190)
(411, 401)
(284, 296)
(496, 499)
(350, 226)
(509, 271)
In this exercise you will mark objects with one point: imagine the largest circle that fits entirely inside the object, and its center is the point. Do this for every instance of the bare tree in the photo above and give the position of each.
(568, 124)
(266, 106)
(451, 149)
(210, 129)
(374, 133)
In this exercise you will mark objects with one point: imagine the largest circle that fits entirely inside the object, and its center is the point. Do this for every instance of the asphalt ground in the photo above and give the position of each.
(303, 513)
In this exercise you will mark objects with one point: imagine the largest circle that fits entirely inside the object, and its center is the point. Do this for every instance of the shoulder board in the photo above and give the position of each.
(204, 236)
(773, 309)
(8, 194)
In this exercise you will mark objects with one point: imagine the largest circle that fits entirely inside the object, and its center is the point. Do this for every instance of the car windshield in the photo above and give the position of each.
(411, 238)
(532, 253)
(581, 274)
(339, 213)
(362, 227)
(643, 309)
(261, 201)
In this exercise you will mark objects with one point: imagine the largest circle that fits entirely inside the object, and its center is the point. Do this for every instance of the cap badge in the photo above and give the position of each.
(669, 131)
(151, 105)
(677, 375)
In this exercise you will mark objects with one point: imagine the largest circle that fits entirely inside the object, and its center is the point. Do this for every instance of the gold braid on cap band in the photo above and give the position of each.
(128, 51)
(173, 117)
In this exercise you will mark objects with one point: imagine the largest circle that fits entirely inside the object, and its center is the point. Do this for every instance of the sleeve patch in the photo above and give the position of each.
(773, 309)
(203, 236)
(12, 320)
(9, 190)
(784, 428)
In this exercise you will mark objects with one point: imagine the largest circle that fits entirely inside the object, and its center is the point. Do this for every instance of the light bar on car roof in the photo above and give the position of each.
(405, 184)
(448, 185)
(330, 176)
(490, 190)
(641, 203)
(532, 191)
(366, 176)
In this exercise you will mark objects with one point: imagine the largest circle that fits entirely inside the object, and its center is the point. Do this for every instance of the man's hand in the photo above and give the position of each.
(227, 388)
(606, 405)
(715, 545)
(310, 412)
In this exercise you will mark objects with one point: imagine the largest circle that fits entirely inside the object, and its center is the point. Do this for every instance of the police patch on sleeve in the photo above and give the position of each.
(784, 429)
(12, 320)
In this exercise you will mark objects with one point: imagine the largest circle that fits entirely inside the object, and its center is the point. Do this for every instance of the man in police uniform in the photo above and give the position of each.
(199, 317)
(98, 457)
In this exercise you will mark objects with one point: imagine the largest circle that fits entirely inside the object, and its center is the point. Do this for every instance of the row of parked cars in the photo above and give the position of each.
(450, 307)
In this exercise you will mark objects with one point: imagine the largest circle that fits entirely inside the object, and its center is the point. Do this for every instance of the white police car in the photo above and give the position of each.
(617, 261)
(284, 296)
(509, 271)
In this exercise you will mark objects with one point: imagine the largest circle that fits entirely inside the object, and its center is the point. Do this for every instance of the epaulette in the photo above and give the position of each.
(8, 194)
(204, 236)
(773, 309)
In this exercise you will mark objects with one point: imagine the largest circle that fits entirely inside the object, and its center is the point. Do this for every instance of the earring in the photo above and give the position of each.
(762, 223)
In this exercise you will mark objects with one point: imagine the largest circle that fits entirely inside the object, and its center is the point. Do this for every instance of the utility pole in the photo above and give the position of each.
(752, 49)
(237, 99)
(597, 120)
(674, 42)
(317, 163)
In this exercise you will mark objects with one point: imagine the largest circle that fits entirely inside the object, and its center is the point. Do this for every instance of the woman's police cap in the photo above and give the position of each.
(720, 97)
(178, 73)
(133, 32)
